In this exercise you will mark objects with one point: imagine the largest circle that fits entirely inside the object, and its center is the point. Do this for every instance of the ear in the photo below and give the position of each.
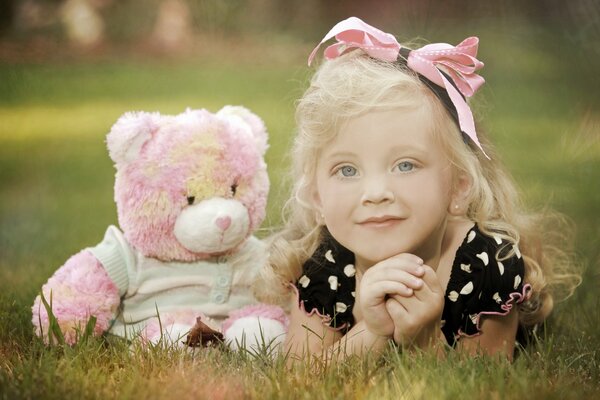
(128, 135)
(461, 193)
(248, 121)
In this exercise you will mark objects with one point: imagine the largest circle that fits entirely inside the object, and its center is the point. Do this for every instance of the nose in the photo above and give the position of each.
(377, 190)
(223, 223)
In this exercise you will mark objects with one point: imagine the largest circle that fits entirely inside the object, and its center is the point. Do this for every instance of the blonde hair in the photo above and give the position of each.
(354, 84)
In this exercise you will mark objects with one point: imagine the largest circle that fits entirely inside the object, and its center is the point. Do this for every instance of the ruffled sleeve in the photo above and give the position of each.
(327, 284)
(481, 285)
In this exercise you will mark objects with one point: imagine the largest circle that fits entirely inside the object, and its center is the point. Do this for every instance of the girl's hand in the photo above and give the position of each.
(416, 318)
(399, 276)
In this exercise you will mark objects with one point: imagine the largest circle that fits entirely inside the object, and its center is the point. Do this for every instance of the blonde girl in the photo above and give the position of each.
(403, 225)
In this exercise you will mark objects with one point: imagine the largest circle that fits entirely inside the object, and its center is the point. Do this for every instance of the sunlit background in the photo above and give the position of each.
(69, 69)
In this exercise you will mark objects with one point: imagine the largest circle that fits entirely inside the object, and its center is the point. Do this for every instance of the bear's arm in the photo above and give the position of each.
(90, 283)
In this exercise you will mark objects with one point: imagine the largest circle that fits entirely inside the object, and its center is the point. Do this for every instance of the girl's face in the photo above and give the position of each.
(383, 186)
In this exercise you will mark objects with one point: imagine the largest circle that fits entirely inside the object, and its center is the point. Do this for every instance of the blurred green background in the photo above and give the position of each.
(69, 69)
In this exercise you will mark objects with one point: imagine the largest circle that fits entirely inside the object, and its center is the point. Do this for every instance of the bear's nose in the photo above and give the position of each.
(223, 223)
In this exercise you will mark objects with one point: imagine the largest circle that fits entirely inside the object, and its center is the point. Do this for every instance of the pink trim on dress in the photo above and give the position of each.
(515, 298)
(326, 319)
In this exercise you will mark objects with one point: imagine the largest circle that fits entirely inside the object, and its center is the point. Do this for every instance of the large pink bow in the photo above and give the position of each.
(458, 62)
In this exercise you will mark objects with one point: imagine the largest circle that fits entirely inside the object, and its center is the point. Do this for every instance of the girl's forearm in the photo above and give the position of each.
(430, 340)
(309, 338)
(358, 341)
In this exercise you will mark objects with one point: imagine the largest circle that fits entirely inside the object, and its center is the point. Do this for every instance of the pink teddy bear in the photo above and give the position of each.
(190, 191)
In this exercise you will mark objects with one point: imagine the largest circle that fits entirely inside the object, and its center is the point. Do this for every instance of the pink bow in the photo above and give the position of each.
(458, 62)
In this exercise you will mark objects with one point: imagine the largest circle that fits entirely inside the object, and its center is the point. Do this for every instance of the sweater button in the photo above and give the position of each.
(223, 281)
(219, 298)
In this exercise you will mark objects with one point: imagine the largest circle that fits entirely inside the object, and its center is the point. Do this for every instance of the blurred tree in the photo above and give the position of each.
(220, 17)
(7, 15)
(578, 20)
(173, 30)
(35, 19)
(129, 22)
(84, 25)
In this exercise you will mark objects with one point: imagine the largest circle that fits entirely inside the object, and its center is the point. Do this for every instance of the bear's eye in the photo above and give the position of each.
(191, 200)
(233, 189)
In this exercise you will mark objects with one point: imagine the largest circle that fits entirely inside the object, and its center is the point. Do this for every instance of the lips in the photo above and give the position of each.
(381, 221)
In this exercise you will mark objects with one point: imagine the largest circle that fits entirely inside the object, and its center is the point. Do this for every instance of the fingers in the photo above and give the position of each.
(395, 308)
(408, 280)
(431, 284)
(379, 321)
(406, 269)
(377, 291)
(408, 262)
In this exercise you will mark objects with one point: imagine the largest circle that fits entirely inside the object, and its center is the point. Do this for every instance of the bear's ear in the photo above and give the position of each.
(128, 135)
(250, 122)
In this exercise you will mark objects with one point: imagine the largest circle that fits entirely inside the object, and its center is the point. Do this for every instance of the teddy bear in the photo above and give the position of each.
(190, 191)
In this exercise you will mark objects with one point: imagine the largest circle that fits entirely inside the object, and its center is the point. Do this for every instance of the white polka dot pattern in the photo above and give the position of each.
(479, 283)
(349, 270)
(497, 298)
(333, 282)
(453, 295)
(501, 268)
(304, 281)
(467, 289)
(484, 257)
(340, 307)
(470, 236)
(517, 281)
(329, 257)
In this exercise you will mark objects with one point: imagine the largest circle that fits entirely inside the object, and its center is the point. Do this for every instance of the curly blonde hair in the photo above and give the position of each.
(353, 84)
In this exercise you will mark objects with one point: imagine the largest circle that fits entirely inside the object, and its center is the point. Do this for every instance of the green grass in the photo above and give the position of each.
(56, 198)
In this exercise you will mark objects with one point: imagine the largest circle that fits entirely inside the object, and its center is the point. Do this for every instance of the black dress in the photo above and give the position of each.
(479, 284)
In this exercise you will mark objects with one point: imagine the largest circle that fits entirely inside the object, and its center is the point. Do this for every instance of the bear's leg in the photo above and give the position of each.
(256, 328)
(170, 329)
(166, 333)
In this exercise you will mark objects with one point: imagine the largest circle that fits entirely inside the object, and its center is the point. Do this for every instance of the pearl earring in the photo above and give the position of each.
(321, 218)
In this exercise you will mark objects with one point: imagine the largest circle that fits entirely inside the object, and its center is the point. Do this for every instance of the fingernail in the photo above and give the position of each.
(419, 260)
(420, 270)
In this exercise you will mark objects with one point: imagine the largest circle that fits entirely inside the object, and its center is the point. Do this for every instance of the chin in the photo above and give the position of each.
(373, 257)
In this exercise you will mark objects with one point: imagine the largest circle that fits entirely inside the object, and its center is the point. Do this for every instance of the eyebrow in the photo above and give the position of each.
(411, 148)
(340, 154)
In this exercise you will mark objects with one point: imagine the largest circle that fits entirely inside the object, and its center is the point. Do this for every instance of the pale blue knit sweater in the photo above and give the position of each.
(213, 287)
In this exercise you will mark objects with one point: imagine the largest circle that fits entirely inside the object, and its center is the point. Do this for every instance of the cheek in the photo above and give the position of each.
(427, 191)
(327, 193)
(337, 201)
(437, 191)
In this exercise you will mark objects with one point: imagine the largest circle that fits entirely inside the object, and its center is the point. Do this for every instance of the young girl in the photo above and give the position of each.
(403, 226)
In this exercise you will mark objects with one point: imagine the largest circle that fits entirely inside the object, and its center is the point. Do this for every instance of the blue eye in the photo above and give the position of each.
(347, 171)
(405, 166)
